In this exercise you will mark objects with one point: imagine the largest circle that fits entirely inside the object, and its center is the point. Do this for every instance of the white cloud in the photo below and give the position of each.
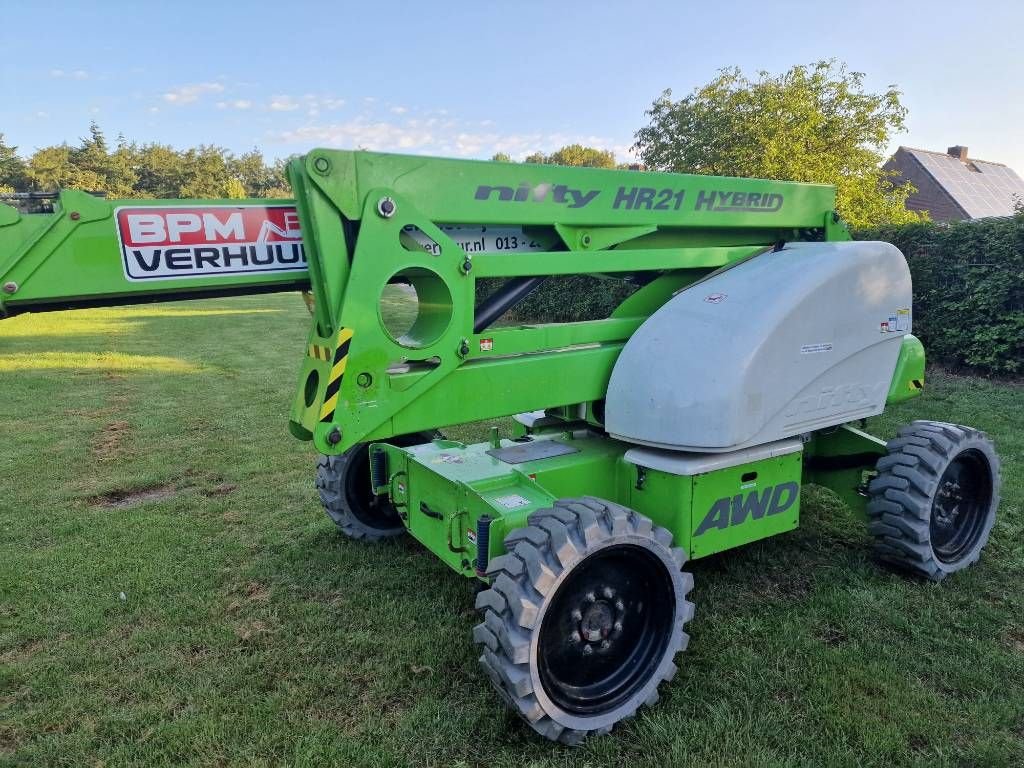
(399, 110)
(76, 74)
(311, 102)
(235, 104)
(359, 132)
(439, 136)
(283, 104)
(187, 94)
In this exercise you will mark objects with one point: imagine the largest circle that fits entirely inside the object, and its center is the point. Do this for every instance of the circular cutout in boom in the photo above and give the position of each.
(415, 307)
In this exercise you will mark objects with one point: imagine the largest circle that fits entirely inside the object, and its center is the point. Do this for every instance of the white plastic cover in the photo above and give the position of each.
(787, 342)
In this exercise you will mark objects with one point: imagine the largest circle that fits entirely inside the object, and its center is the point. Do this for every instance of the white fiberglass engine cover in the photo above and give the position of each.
(784, 343)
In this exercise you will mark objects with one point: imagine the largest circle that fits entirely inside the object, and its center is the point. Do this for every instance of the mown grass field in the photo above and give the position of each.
(219, 619)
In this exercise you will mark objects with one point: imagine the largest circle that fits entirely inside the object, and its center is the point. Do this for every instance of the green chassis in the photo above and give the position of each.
(359, 384)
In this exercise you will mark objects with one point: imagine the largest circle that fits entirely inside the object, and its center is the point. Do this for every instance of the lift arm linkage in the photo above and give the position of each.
(362, 221)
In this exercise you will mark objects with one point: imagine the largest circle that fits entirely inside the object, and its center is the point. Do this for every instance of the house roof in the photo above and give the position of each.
(980, 187)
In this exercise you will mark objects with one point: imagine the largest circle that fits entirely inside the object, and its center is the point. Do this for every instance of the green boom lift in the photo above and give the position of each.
(757, 339)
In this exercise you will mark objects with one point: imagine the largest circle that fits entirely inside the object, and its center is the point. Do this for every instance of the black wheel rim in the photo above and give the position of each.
(606, 630)
(369, 509)
(961, 506)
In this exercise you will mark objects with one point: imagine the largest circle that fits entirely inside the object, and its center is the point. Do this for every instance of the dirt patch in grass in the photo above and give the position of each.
(783, 586)
(120, 498)
(832, 636)
(251, 630)
(1015, 641)
(21, 652)
(130, 497)
(220, 489)
(108, 444)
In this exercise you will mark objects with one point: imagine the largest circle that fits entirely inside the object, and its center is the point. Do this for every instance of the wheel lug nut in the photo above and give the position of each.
(577, 615)
(591, 597)
(574, 638)
(588, 650)
(619, 605)
(617, 626)
(608, 592)
(605, 645)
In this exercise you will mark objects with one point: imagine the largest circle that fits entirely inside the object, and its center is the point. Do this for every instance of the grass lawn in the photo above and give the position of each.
(220, 619)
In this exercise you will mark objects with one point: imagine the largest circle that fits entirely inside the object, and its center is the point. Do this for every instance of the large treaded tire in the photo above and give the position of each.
(537, 572)
(921, 518)
(343, 483)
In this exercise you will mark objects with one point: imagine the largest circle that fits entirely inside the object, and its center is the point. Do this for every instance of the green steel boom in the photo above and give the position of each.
(446, 369)
(757, 339)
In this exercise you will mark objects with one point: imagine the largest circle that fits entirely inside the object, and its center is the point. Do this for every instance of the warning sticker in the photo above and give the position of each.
(447, 458)
(512, 501)
(162, 242)
(811, 349)
(486, 345)
(897, 322)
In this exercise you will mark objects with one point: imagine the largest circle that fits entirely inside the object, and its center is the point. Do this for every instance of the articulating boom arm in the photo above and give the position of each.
(362, 221)
(96, 252)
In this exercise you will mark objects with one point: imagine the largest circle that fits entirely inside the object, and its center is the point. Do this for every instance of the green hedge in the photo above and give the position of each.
(968, 290)
(572, 298)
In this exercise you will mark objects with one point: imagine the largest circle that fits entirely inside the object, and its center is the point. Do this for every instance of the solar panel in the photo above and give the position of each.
(987, 191)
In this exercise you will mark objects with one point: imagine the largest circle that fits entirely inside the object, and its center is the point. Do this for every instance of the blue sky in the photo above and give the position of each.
(470, 79)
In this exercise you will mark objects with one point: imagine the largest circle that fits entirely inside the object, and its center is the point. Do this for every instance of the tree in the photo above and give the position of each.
(573, 154)
(159, 171)
(278, 185)
(813, 123)
(586, 157)
(252, 172)
(12, 167)
(50, 169)
(122, 173)
(501, 157)
(97, 169)
(204, 172)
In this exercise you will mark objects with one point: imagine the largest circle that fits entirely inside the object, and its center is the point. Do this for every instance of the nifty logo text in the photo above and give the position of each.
(635, 198)
(203, 241)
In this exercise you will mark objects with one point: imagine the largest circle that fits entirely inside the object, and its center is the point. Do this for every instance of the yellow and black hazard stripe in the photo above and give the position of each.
(916, 384)
(318, 352)
(337, 374)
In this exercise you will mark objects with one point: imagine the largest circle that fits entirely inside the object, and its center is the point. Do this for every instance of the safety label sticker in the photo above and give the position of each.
(903, 320)
(162, 242)
(810, 349)
(447, 458)
(512, 501)
(897, 322)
